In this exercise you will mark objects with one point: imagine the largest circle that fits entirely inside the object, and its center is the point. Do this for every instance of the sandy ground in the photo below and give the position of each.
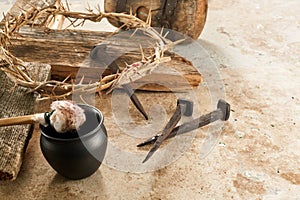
(256, 47)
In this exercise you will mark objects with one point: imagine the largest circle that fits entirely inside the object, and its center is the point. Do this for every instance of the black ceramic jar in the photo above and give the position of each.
(78, 154)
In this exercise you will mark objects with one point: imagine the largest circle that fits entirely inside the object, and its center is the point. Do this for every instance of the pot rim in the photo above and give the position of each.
(82, 136)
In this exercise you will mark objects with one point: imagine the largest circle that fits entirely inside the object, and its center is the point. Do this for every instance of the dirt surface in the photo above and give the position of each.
(256, 48)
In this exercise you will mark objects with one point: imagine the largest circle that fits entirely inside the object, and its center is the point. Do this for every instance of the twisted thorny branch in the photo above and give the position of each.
(16, 69)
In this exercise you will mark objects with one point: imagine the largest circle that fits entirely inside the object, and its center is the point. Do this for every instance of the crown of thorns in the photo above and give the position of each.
(16, 69)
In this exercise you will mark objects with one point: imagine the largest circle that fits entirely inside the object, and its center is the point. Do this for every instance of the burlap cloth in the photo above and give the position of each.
(14, 139)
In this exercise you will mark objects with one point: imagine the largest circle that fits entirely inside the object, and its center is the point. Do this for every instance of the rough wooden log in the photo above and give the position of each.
(185, 16)
(14, 139)
(68, 51)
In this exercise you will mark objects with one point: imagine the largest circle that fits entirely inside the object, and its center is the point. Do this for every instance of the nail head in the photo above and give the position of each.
(189, 107)
(225, 107)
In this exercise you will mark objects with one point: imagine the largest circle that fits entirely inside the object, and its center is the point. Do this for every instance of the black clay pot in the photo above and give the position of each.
(76, 155)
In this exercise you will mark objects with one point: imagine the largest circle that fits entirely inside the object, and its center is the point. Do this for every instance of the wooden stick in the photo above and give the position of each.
(28, 119)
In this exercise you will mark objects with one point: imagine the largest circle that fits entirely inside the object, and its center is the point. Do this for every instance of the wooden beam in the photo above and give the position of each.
(68, 52)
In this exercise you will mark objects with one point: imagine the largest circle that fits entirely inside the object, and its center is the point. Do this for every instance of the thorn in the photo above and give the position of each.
(149, 18)
(134, 32)
(142, 52)
(81, 81)
(82, 99)
(166, 34)
(68, 5)
(66, 78)
(98, 8)
(127, 65)
(89, 7)
(130, 11)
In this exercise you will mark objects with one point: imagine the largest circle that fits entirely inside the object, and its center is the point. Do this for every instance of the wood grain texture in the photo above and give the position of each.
(68, 53)
(185, 16)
